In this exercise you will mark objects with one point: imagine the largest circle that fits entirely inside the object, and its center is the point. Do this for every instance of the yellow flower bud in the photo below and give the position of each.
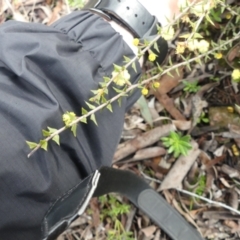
(152, 57)
(236, 75)
(135, 41)
(228, 16)
(156, 84)
(230, 109)
(218, 55)
(144, 91)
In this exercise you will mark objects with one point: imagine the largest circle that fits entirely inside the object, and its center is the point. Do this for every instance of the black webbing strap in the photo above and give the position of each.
(147, 200)
(133, 16)
(127, 13)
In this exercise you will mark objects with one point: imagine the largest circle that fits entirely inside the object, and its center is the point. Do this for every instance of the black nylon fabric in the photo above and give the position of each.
(45, 71)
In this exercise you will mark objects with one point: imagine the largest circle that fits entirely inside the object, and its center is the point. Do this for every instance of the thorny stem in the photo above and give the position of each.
(228, 8)
(190, 60)
(131, 87)
(195, 195)
(153, 41)
(197, 25)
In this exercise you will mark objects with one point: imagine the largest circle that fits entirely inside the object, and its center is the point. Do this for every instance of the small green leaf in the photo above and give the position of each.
(94, 92)
(159, 68)
(74, 129)
(117, 90)
(84, 111)
(56, 139)
(134, 66)
(205, 120)
(120, 102)
(169, 74)
(106, 79)
(45, 133)
(52, 130)
(126, 59)
(44, 144)
(155, 46)
(117, 68)
(90, 105)
(93, 118)
(31, 145)
(209, 19)
(109, 107)
(83, 120)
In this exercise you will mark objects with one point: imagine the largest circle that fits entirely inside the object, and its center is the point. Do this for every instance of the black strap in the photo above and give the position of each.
(131, 15)
(128, 13)
(146, 199)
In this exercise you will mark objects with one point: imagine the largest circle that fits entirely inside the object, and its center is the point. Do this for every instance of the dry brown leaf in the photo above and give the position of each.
(233, 225)
(132, 121)
(231, 172)
(207, 144)
(167, 82)
(61, 237)
(130, 134)
(198, 131)
(150, 152)
(204, 158)
(179, 170)
(224, 182)
(147, 153)
(210, 179)
(95, 212)
(234, 129)
(215, 161)
(29, 2)
(149, 231)
(157, 235)
(196, 212)
(219, 214)
(206, 88)
(233, 199)
(3, 6)
(142, 141)
(55, 14)
(232, 54)
(219, 151)
(130, 217)
(182, 124)
(197, 106)
(168, 104)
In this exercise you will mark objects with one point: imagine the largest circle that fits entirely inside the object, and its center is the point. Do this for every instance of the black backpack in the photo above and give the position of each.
(44, 72)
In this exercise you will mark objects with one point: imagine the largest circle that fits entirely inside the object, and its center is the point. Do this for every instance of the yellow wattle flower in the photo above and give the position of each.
(144, 91)
(152, 57)
(236, 75)
(156, 84)
(218, 55)
(135, 42)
